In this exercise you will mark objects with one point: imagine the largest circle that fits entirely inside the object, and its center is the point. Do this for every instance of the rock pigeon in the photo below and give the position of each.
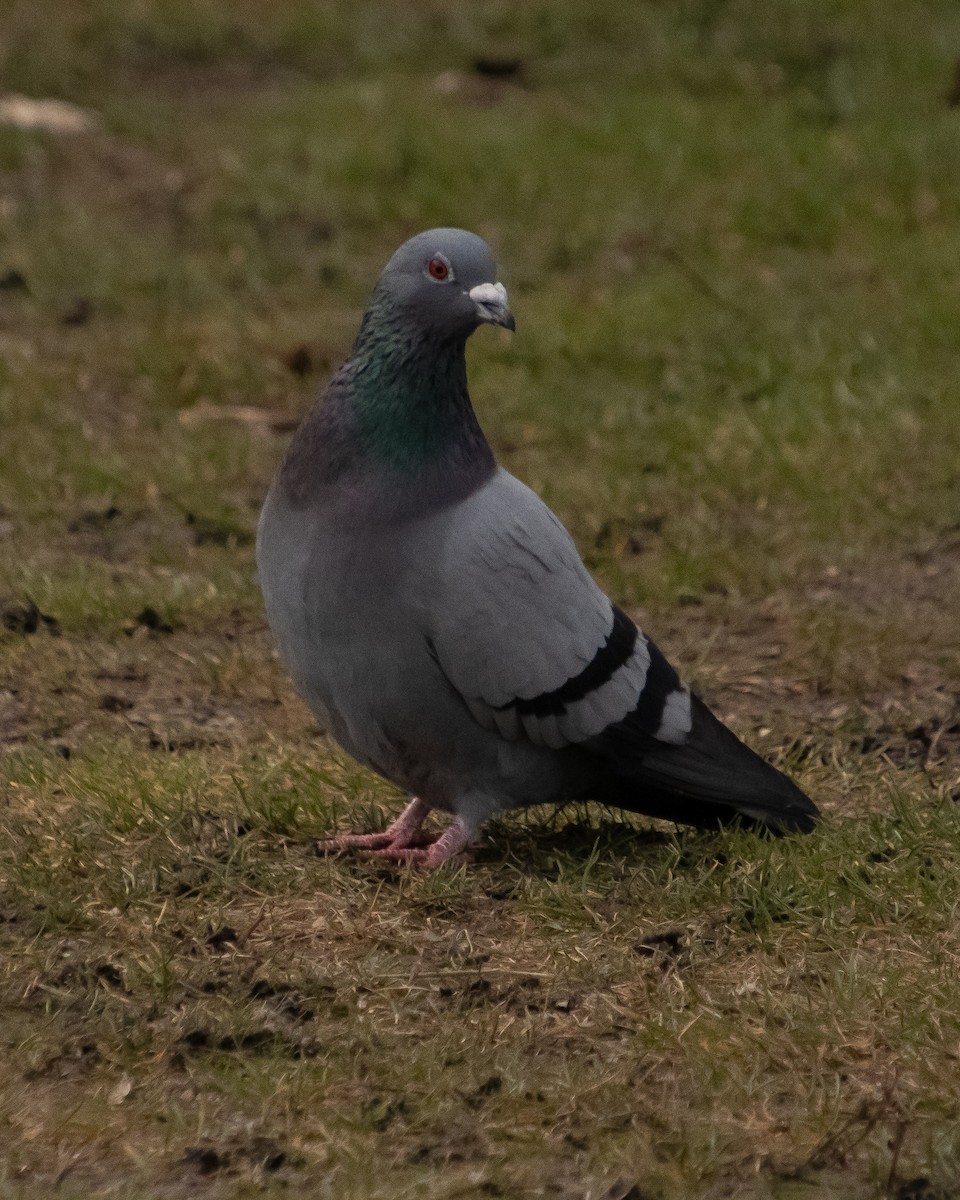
(437, 617)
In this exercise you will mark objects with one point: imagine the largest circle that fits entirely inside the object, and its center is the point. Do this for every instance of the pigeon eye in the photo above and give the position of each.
(438, 268)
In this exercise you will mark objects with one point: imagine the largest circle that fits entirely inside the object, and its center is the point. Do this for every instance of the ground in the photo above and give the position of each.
(731, 244)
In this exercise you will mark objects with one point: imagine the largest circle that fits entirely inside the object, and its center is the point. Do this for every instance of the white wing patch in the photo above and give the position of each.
(677, 719)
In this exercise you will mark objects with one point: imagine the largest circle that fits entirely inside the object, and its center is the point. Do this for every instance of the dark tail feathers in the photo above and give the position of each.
(713, 778)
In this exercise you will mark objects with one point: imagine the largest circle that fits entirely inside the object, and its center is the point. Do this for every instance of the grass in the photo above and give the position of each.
(730, 245)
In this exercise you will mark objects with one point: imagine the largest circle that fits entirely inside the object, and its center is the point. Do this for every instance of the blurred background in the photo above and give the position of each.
(730, 236)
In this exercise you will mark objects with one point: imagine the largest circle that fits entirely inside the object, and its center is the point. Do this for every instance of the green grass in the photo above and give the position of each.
(730, 240)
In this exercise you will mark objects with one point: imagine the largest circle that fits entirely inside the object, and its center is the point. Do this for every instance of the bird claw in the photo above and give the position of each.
(422, 857)
(404, 831)
(371, 843)
(353, 841)
(405, 842)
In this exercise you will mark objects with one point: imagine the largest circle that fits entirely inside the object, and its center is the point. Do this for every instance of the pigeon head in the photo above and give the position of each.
(444, 281)
(399, 408)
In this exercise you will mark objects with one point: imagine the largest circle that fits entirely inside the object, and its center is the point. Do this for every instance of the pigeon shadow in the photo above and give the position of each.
(574, 839)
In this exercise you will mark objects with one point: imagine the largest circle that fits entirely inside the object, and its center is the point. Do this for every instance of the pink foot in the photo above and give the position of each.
(450, 847)
(354, 841)
(403, 832)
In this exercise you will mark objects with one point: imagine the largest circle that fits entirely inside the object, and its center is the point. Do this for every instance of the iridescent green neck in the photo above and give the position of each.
(398, 407)
(410, 399)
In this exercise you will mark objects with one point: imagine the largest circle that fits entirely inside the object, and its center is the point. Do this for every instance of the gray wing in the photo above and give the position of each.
(527, 638)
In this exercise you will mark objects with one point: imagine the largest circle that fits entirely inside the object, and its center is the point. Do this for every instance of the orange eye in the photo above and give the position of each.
(438, 268)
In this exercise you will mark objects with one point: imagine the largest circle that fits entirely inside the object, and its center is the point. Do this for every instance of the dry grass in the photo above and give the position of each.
(192, 998)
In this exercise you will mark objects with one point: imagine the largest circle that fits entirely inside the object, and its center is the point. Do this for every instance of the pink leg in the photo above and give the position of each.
(448, 847)
(401, 833)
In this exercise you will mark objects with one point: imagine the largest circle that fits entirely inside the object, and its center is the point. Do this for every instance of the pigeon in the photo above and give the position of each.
(437, 617)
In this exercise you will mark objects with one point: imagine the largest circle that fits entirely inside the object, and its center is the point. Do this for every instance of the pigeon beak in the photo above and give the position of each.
(492, 305)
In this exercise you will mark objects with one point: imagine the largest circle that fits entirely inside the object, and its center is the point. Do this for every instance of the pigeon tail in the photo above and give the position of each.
(710, 779)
